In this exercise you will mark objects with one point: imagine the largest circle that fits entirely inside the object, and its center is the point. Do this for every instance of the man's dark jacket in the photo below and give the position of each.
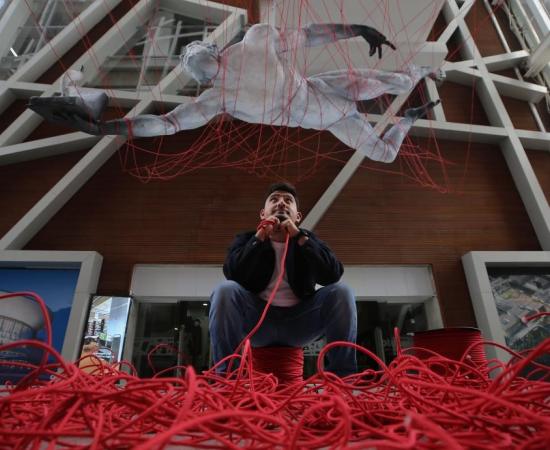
(250, 262)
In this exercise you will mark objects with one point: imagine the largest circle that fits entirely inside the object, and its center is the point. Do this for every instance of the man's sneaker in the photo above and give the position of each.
(88, 106)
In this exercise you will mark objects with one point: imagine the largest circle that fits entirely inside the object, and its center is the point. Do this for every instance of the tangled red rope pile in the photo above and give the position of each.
(402, 405)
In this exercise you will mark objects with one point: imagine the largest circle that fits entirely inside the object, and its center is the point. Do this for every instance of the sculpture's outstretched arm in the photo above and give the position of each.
(324, 33)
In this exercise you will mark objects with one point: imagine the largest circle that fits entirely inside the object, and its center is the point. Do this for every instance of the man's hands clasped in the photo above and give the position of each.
(273, 227)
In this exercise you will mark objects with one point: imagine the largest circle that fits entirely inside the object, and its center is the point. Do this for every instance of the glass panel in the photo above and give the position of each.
(46, 19)
(152, 53)
(106, 329)
(181, 329)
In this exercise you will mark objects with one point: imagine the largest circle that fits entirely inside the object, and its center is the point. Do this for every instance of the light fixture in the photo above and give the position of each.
(13, 52)
(205, 304)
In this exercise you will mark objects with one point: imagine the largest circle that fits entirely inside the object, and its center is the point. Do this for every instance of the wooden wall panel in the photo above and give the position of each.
(461, 104)
(12, 112)
(381, 219)
(540, 161)
(544, 114)
(23, 184)
(483, 31)
(190, 219)
(520, 113)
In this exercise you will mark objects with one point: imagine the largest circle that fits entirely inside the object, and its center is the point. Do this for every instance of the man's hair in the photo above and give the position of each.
(284, 187)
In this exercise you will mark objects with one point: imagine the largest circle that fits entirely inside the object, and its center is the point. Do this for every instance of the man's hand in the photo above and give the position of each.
(266, 228)
(289, 227)
(373, 37)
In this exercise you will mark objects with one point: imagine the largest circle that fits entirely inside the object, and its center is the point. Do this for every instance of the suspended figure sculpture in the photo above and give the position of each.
(254, 80)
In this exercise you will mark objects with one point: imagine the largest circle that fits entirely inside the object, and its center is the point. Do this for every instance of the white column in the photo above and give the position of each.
(540, 58)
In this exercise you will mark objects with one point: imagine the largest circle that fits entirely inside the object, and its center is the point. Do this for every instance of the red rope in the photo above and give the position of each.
(459, 344)
(286, 363)
(405, 404)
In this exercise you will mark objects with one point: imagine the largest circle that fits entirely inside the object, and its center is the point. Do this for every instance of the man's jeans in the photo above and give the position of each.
(331, 312)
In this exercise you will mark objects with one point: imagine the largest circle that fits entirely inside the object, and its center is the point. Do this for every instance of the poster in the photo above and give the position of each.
(520, 293)
(21, 317)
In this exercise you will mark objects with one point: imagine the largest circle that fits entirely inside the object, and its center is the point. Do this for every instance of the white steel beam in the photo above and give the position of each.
(526, 182)
(43, 148)
(433, 95)
(504, 42)
(534, 140)
(452, 25)
(494, 63)
(504, 61)
(540, 58)
(506, 86)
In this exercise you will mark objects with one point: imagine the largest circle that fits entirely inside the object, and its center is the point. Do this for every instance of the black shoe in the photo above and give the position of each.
(86, 106)
(72, 112)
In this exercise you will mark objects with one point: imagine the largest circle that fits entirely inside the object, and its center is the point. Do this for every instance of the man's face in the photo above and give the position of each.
(281, 203)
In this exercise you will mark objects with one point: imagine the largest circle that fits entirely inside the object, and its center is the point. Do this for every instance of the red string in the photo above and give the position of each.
(405, 404)
(526, 319)
(265, 223)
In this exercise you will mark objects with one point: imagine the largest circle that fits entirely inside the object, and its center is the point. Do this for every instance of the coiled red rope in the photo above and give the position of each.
(286, 363)
(403, 405)
(459, 344)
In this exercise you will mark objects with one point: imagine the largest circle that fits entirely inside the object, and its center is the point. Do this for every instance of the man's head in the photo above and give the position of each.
(281, 200)
(202, 60)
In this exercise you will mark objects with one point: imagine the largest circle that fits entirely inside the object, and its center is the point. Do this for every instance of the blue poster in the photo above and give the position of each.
(21, 317)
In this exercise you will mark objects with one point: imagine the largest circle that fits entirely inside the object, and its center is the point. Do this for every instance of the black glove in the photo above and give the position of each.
(373, 37)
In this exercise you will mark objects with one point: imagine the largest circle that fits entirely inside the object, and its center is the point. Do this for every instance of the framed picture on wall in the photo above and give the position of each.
(64, 281)
(521, 293)
(508, 289)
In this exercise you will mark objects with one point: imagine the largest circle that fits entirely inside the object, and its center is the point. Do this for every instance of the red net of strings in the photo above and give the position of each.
(268, 149)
